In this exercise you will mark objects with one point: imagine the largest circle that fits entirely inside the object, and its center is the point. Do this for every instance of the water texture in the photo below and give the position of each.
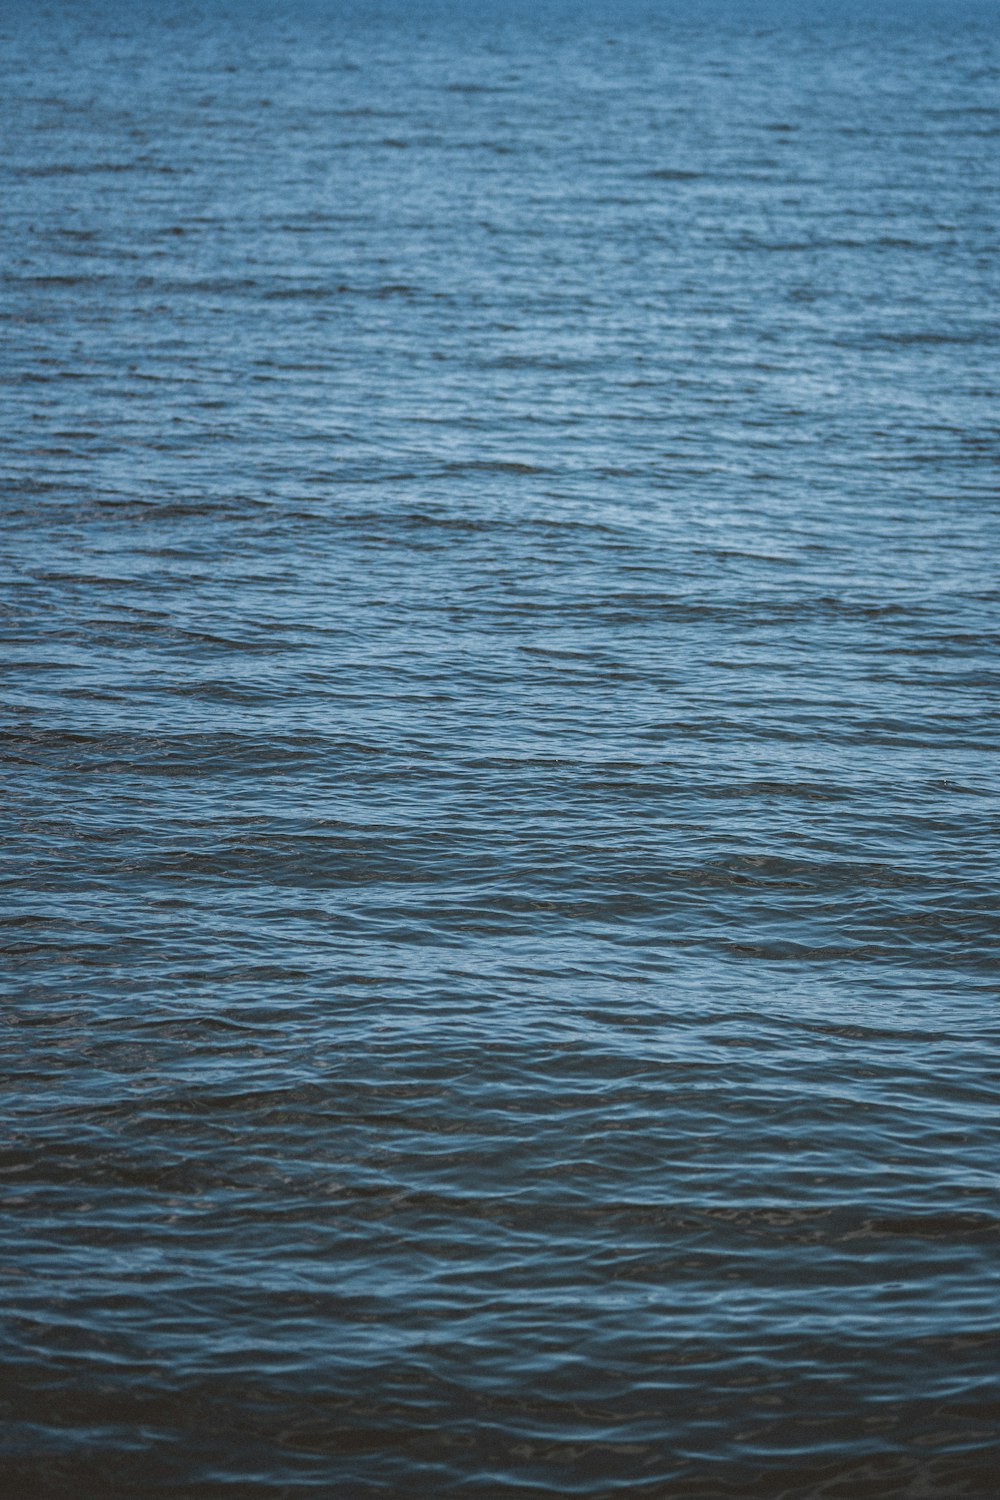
(500, 618)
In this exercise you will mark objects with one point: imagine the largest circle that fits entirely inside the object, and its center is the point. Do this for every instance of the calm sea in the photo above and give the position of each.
(499, 565)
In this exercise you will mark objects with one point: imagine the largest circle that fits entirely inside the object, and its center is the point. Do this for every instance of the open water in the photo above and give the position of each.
(499, 563)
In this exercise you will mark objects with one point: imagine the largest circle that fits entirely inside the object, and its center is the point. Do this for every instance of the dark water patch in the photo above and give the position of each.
(673, 174)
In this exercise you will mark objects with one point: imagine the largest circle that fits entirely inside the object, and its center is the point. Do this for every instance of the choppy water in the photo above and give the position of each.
(499, 562)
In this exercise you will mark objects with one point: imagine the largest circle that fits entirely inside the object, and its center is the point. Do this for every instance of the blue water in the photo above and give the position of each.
(500, 619)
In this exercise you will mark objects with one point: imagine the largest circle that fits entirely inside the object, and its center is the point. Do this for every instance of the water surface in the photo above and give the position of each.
(500, 616)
